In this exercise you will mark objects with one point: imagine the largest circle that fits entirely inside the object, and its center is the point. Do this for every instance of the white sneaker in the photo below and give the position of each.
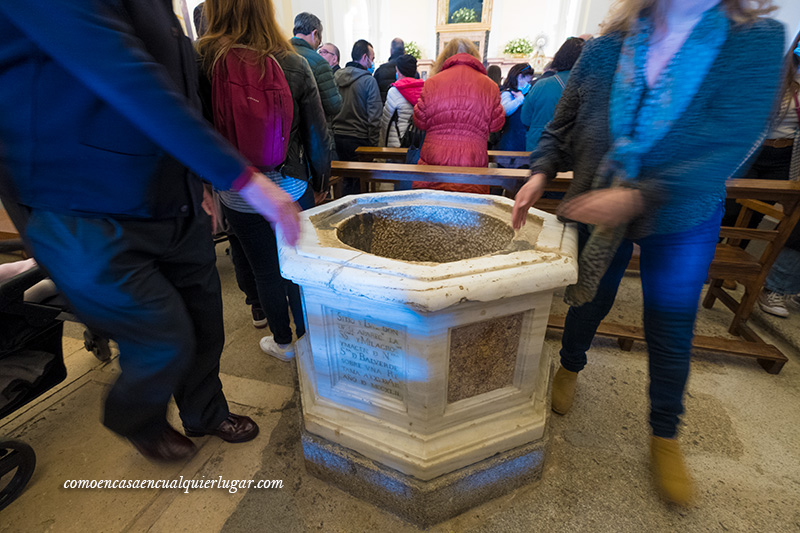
(284, 352)
(773, 303)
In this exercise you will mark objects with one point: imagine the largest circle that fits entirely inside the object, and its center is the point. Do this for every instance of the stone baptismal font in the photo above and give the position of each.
(423, 379)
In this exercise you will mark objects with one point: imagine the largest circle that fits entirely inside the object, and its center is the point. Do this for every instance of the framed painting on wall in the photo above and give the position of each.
(463, 15)
(470, 19)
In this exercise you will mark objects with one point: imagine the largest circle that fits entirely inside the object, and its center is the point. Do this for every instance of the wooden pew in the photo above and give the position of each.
(7, 229)
(730, 262)
(398, 155)
(510, 179)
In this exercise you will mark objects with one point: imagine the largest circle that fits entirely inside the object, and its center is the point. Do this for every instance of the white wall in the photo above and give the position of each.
(379, 21)
(789, 14)
(512, 19)
(411, 20)
(594, 11)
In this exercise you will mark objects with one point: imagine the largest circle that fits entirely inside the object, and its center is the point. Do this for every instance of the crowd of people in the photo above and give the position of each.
(111, 192)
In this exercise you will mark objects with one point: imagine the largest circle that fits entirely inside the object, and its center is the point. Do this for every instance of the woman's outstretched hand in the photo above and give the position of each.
(605, 207)
(526, 197)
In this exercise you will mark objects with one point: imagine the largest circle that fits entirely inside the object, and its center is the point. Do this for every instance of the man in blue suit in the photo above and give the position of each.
(101, 146)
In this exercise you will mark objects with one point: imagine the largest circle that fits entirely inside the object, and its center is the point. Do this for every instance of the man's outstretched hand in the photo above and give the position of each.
(274, 205)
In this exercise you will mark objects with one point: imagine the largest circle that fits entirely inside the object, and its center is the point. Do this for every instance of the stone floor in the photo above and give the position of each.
(741, 435)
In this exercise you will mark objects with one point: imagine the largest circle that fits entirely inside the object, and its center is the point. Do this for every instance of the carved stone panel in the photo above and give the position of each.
(367, 354)
(483, 356)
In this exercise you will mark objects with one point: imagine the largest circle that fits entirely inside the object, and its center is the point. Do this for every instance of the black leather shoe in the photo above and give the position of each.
(169, 446)
(235, 428)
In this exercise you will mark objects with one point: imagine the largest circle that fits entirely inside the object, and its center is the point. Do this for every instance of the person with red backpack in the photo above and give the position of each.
(264, 100)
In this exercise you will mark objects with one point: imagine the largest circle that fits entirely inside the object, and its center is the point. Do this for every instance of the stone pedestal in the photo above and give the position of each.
(425, 319)
(423, 503)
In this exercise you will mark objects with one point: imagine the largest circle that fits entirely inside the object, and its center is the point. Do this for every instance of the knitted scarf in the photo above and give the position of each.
(794, 168)
(639, 118)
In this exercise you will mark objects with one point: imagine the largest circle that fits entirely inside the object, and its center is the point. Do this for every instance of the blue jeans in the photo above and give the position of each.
(784, 277)
(673, 269)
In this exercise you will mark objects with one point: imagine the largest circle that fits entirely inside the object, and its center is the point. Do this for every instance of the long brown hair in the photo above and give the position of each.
(459, 45)
(624, 13)
(249, 23)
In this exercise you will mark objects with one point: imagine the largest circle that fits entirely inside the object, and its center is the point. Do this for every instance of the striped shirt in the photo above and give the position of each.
(292, 186)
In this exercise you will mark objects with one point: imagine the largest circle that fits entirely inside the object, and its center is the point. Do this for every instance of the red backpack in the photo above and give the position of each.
(253, 106)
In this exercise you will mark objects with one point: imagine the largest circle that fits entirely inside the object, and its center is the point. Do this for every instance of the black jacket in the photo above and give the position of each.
(386, 75)
(99, 113)
(309, 141)
(308, 154)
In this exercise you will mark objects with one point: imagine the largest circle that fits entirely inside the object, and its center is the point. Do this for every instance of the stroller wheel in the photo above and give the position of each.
(97, 345)
(17, 462)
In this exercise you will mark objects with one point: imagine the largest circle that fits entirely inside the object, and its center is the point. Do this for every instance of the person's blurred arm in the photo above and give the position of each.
(511, 100)
(95, 43)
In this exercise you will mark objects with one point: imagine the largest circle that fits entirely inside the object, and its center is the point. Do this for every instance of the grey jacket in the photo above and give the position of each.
(361, 104)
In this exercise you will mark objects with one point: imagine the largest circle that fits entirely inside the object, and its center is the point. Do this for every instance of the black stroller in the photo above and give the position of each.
(31, 363)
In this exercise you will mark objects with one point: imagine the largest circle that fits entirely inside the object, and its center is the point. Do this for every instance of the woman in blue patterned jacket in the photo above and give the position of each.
(652, 122)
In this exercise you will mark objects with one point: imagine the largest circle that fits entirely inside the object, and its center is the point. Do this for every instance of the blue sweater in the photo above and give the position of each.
(99, 113)
(683, 179)
(539, 106)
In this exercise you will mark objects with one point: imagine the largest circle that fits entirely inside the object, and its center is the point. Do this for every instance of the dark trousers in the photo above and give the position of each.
(346, 148)
(152, 286)
(771, 164)
(673, 269)
(254, 251)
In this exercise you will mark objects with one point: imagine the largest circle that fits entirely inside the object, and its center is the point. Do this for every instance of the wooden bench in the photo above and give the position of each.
(7, 229)
(510, 179)
(730, 262)
(398, 155)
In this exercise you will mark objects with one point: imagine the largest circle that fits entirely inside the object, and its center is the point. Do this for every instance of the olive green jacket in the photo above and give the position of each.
(328, 92)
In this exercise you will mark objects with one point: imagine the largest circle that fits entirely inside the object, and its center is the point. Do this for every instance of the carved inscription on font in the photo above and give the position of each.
(368, 353)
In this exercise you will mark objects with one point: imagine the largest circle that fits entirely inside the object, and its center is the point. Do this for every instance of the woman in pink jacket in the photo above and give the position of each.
(458, 108)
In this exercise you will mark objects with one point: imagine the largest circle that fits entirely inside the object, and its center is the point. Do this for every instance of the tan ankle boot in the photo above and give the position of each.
(669, 471)
(564, 384)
